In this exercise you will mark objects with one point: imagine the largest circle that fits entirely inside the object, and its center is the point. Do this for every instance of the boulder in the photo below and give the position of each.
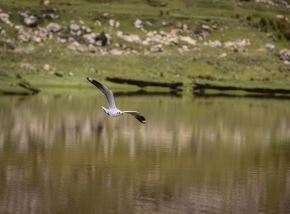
(238, 44)
(285, 55)
(157, 49)
(188, 40)
(46, 67)
(114, 23)
(74, 28)
(129, 38)
(270, 46)
(116, 52)
(90, 38)
(53, 27)
(215, 44)
(28, 19)
(5, 17)
(138, 24)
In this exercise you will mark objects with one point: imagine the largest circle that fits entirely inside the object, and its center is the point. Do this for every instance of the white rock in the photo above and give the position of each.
(157, 48)
(187, 40)
(269, 2)
(98, 23)
(61, 40)
(30, 21)
(285, 55)
(138, 24)
(74, 27)
(92, 48)
(54, 27)
(116, 52)
(2, 31)
(129, 38)
(114, 23)
(215, 44)
(149, 23)
(90, 38)
(164, 23)
(270, 46)
(46, 67)
(206, 27)
(223, 55)
(23, 36)
(5, 17)
(238, 44)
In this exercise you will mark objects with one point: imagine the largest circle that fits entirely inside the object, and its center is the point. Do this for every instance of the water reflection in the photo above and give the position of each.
(62, 154)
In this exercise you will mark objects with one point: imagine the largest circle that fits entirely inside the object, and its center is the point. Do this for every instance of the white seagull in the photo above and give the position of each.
(113, 110)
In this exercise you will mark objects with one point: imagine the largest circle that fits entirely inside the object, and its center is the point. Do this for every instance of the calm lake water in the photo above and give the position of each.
(62, 154)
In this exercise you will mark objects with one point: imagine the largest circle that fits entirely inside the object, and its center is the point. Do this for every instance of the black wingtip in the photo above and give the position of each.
(141, 119)
(89, 79)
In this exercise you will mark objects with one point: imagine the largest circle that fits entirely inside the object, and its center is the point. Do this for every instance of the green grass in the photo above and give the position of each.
(254, 65)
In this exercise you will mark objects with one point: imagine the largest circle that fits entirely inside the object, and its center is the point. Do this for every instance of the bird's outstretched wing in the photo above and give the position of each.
(107, 92)
(137, 115)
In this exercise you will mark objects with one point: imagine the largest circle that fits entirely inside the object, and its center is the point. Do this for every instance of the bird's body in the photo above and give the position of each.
(113, 110)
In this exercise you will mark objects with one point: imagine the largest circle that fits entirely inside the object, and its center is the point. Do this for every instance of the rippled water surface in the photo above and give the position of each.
(62, 154)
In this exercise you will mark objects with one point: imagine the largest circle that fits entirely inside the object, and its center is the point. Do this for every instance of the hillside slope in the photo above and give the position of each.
(58, 44)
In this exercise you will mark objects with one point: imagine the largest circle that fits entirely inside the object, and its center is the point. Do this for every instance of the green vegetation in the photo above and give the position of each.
(232, 20)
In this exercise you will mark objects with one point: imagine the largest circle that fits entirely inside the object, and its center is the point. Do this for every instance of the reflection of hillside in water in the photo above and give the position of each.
(63, 154)
(200, 123)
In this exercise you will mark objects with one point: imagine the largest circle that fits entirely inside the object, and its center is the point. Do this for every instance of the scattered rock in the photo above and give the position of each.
(7, 44)
(91, 38)
(138, 24)
(188, 40)
(45, 2)
(157, 49)
(2, 31)
(116, 52)
(98, 23)
(61, 40)
(238, 44)
(86, 29)
(268, 2)
(22, 35)
(285, 55)
(40, 34)
(75, 29)
(92, 48)
(184, 48)
(46, 67)
(164, 23)
(114, 23)
(28, 19)
(270, 46)
(202, 31)
(148, 23)
(215, 44)
(5, 17)
(129, 38)
(53, 27)
(222, 55)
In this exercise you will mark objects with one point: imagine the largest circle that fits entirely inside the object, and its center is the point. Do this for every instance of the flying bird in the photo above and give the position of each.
(113, 110)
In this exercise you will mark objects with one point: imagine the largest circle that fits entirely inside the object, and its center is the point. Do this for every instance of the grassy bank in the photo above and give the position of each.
(68, 68)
